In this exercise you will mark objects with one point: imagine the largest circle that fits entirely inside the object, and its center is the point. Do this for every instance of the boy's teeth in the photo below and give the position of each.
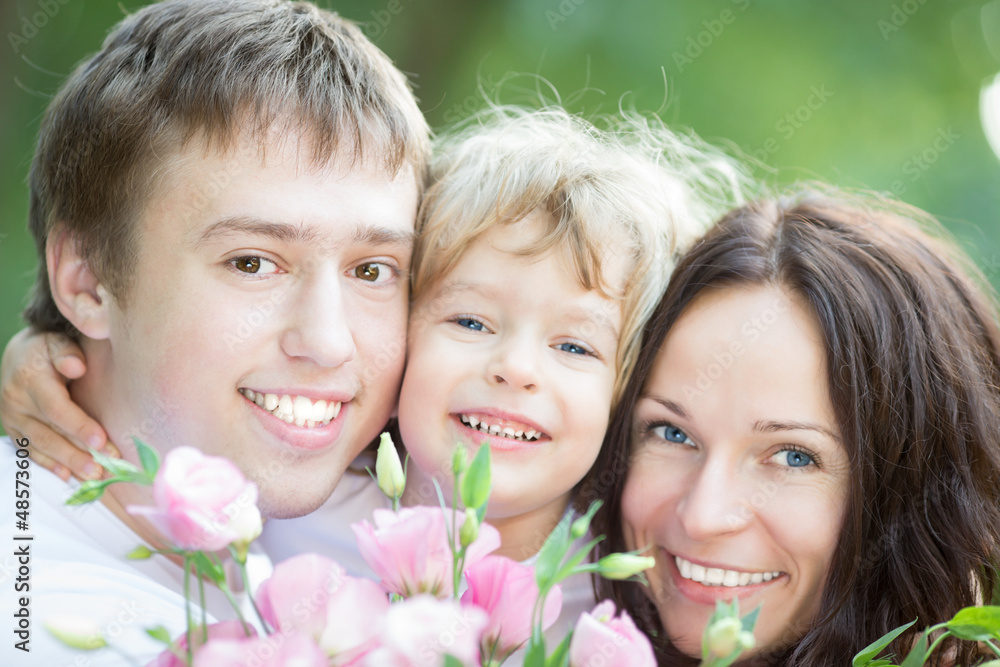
(298, 410)
(714, 576)
(496, 429)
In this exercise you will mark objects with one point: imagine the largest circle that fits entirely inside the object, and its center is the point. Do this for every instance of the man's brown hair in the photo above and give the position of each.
(220, 70)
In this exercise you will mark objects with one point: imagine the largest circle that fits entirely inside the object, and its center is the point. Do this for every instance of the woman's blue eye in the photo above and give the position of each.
(794, 458)
(671, 433)
(469, 323)
(572, 348)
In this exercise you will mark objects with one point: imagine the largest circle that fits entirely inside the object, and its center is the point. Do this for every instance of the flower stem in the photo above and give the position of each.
(224, 587)
(204, 614)
(253, 603)
(187, 608)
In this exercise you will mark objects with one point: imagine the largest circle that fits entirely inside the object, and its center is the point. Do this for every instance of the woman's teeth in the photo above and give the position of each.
(298, 410)
(714, 576)
(503, 431)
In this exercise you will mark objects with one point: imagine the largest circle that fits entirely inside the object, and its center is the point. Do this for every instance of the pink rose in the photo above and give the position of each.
(507, 591)
(420, 631)
(275, 650)
(202, 502)
(409, 550)
(312, 595)
(226, 630)
(601, 638)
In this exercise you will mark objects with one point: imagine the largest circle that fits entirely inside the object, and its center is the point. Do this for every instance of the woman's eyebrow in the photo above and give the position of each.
(772, 426)
(669, 405)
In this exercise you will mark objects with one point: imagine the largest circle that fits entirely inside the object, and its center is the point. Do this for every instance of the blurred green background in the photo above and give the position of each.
(864, 93)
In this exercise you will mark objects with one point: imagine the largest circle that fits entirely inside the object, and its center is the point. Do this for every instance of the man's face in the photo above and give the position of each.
(266, 317)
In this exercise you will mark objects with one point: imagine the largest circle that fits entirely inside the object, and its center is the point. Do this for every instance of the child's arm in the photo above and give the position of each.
(35, 403)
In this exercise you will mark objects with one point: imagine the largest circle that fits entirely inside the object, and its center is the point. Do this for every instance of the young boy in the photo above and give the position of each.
(223, 200)
(543, 243)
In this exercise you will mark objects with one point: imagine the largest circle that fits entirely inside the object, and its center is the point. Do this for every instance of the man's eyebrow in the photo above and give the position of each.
(289, 233)
(242, 224)
(770, 426)
(365, 235)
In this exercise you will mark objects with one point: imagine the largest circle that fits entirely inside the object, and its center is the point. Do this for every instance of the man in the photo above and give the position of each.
(224, 198)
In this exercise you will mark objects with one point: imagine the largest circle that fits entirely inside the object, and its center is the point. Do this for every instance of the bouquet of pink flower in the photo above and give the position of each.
(441, 598)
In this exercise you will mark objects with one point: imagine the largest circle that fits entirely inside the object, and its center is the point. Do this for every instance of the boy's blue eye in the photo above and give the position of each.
(794, 458)
(671, 433)
(572, 348)
(469, 323)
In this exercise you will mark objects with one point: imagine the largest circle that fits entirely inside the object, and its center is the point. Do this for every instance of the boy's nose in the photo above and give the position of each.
(515, 365)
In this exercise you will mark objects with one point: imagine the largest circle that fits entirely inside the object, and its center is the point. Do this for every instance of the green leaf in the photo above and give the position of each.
(577, 558)
(535, 655)
(148, 457)
(918, 654)
(119, 467)
(159, 633)
(477, 480)
(208, 568)
(560, 657)
(452, 661)
(89, 491)
(865, 657)
(552, 553)
(750, 620)
(976, 623)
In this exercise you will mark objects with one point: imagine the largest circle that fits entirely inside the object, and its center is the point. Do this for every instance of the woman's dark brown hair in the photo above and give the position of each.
(913, 360)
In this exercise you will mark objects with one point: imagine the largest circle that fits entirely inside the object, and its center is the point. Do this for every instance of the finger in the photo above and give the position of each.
(57, 411)
(65, 355)
(60, 471)
(50, 449)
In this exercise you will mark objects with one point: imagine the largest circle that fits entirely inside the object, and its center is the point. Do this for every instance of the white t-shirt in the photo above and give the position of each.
(77, 568)
(327, 532)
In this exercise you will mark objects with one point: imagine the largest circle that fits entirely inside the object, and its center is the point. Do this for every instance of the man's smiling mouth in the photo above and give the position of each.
(294, 409)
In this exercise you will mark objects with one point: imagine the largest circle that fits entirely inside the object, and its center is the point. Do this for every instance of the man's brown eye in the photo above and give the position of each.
(248, 264)
(369, 271)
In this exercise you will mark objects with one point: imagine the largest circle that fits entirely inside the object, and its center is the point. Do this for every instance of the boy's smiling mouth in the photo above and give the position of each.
(501, 427)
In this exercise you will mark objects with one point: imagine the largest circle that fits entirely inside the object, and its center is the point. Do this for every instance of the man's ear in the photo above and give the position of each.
(78, 294)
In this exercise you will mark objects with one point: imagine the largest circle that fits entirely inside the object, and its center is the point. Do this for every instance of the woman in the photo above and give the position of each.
(813, 426)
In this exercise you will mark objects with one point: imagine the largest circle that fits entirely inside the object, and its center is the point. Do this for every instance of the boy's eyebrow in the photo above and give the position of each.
(583, 315)
(287, 233)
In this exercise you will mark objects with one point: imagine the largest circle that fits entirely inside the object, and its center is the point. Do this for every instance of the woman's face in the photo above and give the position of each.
(738, 480)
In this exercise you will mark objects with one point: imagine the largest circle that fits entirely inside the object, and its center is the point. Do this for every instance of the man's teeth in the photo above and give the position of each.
(493, 429)
(714, 576)
(298, 410)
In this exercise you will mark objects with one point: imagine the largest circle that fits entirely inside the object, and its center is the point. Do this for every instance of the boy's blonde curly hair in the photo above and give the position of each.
(632, 189)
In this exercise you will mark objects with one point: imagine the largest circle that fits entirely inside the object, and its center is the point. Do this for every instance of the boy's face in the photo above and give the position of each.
(511, 350)
(262, 282)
